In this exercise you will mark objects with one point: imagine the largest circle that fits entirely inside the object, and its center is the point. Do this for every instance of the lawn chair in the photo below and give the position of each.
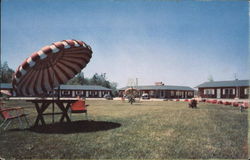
(9, 114)
(243, 106)
(192, 104)
(79, 107)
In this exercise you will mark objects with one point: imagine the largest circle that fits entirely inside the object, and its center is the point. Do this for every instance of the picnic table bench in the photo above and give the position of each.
(43, 104)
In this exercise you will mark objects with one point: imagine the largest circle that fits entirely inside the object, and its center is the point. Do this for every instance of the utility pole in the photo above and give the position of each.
(137, 87)
(236, 86)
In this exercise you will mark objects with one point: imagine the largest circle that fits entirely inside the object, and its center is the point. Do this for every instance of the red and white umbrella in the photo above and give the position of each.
(51, 66)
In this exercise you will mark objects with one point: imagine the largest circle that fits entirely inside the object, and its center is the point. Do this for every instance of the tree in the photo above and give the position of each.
(100, 80)
(6, 73)
(79, 79)
(114, 88)
(97, 79)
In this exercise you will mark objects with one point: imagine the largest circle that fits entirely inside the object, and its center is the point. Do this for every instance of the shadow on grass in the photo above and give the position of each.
(136, 104)
(74, 127)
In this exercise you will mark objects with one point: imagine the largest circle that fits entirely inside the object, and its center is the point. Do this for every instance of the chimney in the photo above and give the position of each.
(159, 84)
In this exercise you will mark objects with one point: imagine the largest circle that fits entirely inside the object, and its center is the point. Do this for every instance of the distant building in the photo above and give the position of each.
(73, 90)
(6, 86)
(159, 83)
(224, 89)
(159, 90)
(91, 91)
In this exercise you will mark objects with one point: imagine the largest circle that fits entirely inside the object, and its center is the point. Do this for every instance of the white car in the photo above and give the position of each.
(145, 96)
(108, 97)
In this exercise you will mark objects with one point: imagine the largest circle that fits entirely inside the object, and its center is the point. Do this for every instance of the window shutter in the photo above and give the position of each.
(224, 90)
(233, 91)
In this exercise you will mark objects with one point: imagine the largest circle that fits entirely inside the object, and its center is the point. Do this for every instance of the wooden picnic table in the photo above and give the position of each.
(42, 104)
(2, 103)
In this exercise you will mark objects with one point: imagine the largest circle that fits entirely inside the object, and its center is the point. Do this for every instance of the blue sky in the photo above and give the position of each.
(178, 43)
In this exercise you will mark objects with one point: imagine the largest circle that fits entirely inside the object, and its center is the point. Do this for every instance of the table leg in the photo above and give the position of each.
(64, 110)
(40, 111)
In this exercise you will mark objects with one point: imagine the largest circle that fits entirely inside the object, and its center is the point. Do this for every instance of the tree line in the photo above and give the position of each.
(96, 79)
(79, 79)
(6, 73)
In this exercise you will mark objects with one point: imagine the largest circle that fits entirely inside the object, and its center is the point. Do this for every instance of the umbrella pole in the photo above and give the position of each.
(53, 104)
(58, 93)
(53, 95)
(53, 107)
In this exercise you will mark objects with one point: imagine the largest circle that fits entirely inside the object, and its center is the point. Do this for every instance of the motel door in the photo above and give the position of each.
(218, 93)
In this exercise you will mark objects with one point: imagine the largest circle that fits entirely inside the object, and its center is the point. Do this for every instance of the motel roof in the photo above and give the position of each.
(160, 87)
(5, 86)
(66, 87)
(234, 83)
(84, 87)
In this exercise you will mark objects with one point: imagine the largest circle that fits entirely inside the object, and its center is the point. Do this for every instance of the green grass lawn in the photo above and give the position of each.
(145, 130)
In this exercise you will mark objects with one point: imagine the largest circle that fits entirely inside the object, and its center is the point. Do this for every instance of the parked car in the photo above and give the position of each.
(145, 96)
(108, 97)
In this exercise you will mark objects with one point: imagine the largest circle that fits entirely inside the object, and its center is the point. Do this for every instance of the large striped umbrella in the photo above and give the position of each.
(51, 66)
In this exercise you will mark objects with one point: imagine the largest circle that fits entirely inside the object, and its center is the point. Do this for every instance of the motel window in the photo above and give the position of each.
(206, 91)
(209, 91)
(190, 93)
(228, 91)
(177, 93)
(78, 92)
(225, 91)
(66, 92)
(247, 91)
